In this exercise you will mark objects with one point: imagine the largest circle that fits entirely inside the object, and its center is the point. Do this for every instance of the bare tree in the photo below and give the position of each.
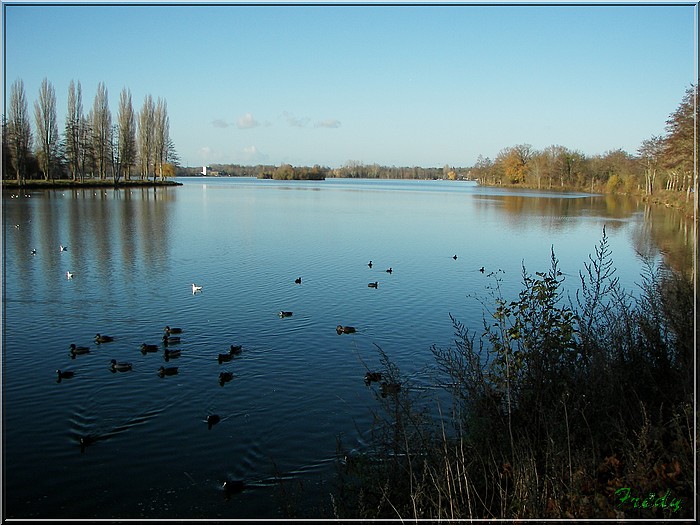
(161, 136)
(126, 143)
(46, 128)
(101, 131)
(74, 119)
(146, 135)
(19, 130)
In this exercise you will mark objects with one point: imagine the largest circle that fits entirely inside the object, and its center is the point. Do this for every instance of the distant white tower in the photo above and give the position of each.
(204, 171)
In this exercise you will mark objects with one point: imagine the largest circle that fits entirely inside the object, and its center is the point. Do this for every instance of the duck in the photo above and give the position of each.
(145, 348)
(167, 371)
(168, 330)
(103, 338)
(69, 275)
(345, 329)
(225, 377)
(64, 374)
(171, 354)
(86, 441)
(374, 284)
(481, 269)
(285, 314)
(33, 251)
(369, 264)
(233, 486)
(79, 350)
(297, 280)
(196, 288)
(390, 388)
(371, 377)
(212, 420)
(120, 366)
(63, 248)
(389, 270)
(167, 340)
(235, 349)
(225, 357)
(454, 257)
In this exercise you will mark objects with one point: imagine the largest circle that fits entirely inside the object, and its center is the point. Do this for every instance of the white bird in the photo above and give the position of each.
(196, 288)
(69, 275)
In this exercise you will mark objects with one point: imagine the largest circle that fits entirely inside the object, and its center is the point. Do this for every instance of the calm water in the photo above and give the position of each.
(298, 386)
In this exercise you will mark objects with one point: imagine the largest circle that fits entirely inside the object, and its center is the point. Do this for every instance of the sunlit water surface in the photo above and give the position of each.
(298, 386)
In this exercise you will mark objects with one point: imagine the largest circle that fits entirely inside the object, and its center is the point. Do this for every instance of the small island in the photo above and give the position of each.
(289, 172)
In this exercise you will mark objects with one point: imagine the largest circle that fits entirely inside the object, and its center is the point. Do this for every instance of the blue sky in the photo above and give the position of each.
(402, 85)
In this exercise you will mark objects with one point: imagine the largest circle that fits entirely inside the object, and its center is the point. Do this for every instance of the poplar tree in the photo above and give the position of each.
(46, 128)
(126, 143)
(146, 135)
(101, 131)
(161, 136)
(73, 129)
(19, 130)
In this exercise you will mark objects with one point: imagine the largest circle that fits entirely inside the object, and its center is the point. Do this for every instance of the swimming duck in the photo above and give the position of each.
(196, 288)
(372, 377)
(297, 280)
(373, 285)
(235, 349)
(33, 251)
(369, 264)
(148, 348)
(285, 314)
(169, 371)
(345, 329)
(69, 275)
(212, 420)
(233, 486)
(390, 388)
(225, 377)
(225, 357)
(481, 269)
(390, 270)
(103, 338)
(64, 248)
(86, 441)
(171, 354)
(168, 330)
(64, 374)
(79, 350)
(454, 257)
(120, 366)
(170, 340)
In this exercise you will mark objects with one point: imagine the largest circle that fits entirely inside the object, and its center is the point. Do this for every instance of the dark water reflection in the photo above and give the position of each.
(297, 385)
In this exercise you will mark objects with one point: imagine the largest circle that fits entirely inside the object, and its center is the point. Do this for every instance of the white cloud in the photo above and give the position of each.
(297, 122)
(247, 121)
(328, 123)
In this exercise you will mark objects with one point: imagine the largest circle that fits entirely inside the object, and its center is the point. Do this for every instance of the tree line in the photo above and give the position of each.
(664, 161)
(92, 146)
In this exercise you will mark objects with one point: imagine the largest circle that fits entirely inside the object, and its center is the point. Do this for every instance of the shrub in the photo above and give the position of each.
(559, 409)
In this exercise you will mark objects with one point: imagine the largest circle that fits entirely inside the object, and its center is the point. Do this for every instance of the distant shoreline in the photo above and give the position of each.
(90, 183)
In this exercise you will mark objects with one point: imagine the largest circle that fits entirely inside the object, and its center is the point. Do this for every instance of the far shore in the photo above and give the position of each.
(88, 183)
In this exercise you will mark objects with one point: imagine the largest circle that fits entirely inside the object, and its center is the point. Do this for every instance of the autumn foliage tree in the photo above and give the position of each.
(681, 142)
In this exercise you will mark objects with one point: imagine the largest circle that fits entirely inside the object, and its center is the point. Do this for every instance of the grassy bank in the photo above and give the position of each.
(88, 183)
(563, 407)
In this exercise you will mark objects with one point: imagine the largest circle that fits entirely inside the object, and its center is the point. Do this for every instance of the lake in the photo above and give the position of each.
(298, 386)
